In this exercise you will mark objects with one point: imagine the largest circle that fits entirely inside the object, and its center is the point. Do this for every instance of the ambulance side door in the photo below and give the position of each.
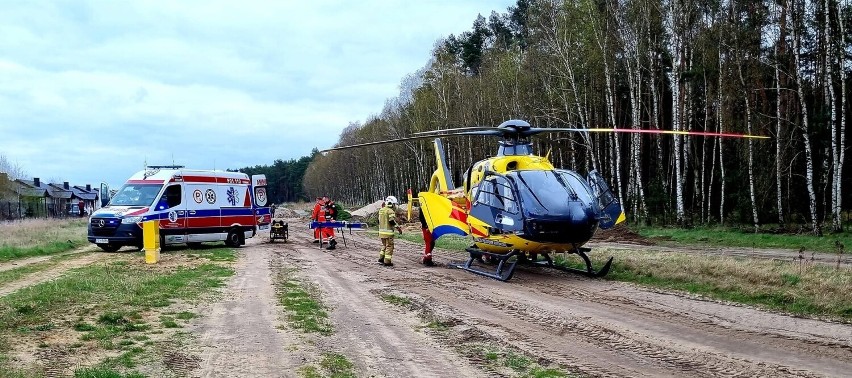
(172, 208)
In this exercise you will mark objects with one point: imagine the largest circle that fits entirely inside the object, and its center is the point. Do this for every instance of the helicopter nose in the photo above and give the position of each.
(572, 229)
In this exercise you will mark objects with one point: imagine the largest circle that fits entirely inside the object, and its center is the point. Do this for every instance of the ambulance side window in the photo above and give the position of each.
(173, 196)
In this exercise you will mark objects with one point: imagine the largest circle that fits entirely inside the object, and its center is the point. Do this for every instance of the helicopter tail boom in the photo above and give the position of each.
(441, 181)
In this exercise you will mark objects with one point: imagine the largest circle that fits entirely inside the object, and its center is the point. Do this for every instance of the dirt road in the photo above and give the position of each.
(54, 272)
(588, 327)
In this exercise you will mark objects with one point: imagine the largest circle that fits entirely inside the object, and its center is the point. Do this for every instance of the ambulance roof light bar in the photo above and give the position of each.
(164, 167)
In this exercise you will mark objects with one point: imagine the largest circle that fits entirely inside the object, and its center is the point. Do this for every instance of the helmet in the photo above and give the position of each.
(391, 200)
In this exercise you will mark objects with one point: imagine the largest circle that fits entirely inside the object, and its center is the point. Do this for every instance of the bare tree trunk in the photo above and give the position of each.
(655, 97)
(842, 148)
(636, 117)
(835, 143)
(721, 144)
(779, 136)
(750, 150)
(702, 182)
(677, 102)
(809, 160)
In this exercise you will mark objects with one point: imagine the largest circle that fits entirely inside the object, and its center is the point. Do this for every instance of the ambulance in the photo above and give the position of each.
(191, 206)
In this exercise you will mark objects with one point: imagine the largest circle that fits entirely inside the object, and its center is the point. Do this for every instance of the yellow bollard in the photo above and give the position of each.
(151, 241)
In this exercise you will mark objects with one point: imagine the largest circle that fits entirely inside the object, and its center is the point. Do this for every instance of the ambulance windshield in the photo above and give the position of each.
(136, 195)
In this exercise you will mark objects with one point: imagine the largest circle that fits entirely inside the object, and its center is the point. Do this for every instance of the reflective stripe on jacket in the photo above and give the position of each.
(386, 215)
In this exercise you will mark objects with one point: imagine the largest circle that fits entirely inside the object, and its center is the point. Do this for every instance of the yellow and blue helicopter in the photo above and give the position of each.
(516, 206)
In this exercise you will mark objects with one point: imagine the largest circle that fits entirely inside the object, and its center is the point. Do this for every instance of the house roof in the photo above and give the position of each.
(58, 191)
(82, 193)
(24, 189)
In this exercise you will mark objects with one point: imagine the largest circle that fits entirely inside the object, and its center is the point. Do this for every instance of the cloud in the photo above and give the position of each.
(90, 91)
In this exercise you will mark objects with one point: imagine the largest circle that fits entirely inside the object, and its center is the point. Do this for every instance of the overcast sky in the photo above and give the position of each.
(90, 90)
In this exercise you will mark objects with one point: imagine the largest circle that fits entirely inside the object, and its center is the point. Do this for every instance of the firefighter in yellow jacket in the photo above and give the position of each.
(387, 224)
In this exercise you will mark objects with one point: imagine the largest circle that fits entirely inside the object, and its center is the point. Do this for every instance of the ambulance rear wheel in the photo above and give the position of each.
(233, 239)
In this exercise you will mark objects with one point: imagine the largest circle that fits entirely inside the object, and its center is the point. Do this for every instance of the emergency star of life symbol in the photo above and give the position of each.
(233, 196)
(211, 196)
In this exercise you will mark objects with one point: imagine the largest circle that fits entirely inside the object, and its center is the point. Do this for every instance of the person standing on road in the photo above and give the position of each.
(327, 214)
(387, 224)
(428, 241)
(315, 218)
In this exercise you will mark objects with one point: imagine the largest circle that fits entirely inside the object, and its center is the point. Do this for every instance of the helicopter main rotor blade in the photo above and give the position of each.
(456, 130)
(648, 131)
(377, 143)
(484, 132)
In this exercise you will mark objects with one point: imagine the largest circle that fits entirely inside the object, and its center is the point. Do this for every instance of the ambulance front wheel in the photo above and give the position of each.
(233, 239)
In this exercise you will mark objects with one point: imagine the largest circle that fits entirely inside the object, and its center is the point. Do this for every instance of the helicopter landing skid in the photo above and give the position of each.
(548, 262)
(504, 270)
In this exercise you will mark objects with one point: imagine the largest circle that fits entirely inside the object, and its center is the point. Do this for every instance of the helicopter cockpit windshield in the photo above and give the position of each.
(551, 192)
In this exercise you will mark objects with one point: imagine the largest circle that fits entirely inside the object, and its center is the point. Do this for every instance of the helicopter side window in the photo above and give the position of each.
(601, 190)
(497, 193)
(484, 192)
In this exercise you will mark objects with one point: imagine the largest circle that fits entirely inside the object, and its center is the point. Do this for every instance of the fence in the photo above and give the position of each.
(11, 210)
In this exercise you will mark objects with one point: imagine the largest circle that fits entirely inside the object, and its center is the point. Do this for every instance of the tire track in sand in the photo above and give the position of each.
(51, 273)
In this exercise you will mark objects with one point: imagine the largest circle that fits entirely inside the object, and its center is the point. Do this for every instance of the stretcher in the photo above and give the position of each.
(340, 226)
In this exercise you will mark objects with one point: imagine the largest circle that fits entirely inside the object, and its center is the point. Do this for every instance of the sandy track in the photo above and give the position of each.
(377, 337)
(603, 328)
(589, 327)
(239, 335)
(51, 273)
(34, 260)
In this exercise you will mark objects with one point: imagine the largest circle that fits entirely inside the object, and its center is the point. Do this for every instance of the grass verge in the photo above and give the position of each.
(104, 310)
(451, 242)
(747, 238)
(332, 365)
(798, 288)
(301, 301)
(40, 237)
(510, 363)
(396, 300)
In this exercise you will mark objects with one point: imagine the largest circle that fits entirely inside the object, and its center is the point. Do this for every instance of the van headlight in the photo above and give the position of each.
(131, 220)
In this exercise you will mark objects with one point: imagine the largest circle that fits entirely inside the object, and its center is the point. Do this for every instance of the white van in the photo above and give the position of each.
(192, 206)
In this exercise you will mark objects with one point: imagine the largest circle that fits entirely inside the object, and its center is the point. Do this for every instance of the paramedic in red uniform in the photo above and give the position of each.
(315, 218)
(428, 241)
(326, 214)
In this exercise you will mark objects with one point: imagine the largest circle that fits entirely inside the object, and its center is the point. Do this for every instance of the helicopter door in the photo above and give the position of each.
(495, 203)
(608, 207)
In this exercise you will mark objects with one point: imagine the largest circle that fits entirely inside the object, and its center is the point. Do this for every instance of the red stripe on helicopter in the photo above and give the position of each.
(477, 232)
(459, 215)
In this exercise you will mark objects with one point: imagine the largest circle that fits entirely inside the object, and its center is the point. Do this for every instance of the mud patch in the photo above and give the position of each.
(621, 234)
(181, 363)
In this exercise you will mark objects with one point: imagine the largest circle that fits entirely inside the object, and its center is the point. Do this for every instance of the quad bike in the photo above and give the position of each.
(278, 230)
